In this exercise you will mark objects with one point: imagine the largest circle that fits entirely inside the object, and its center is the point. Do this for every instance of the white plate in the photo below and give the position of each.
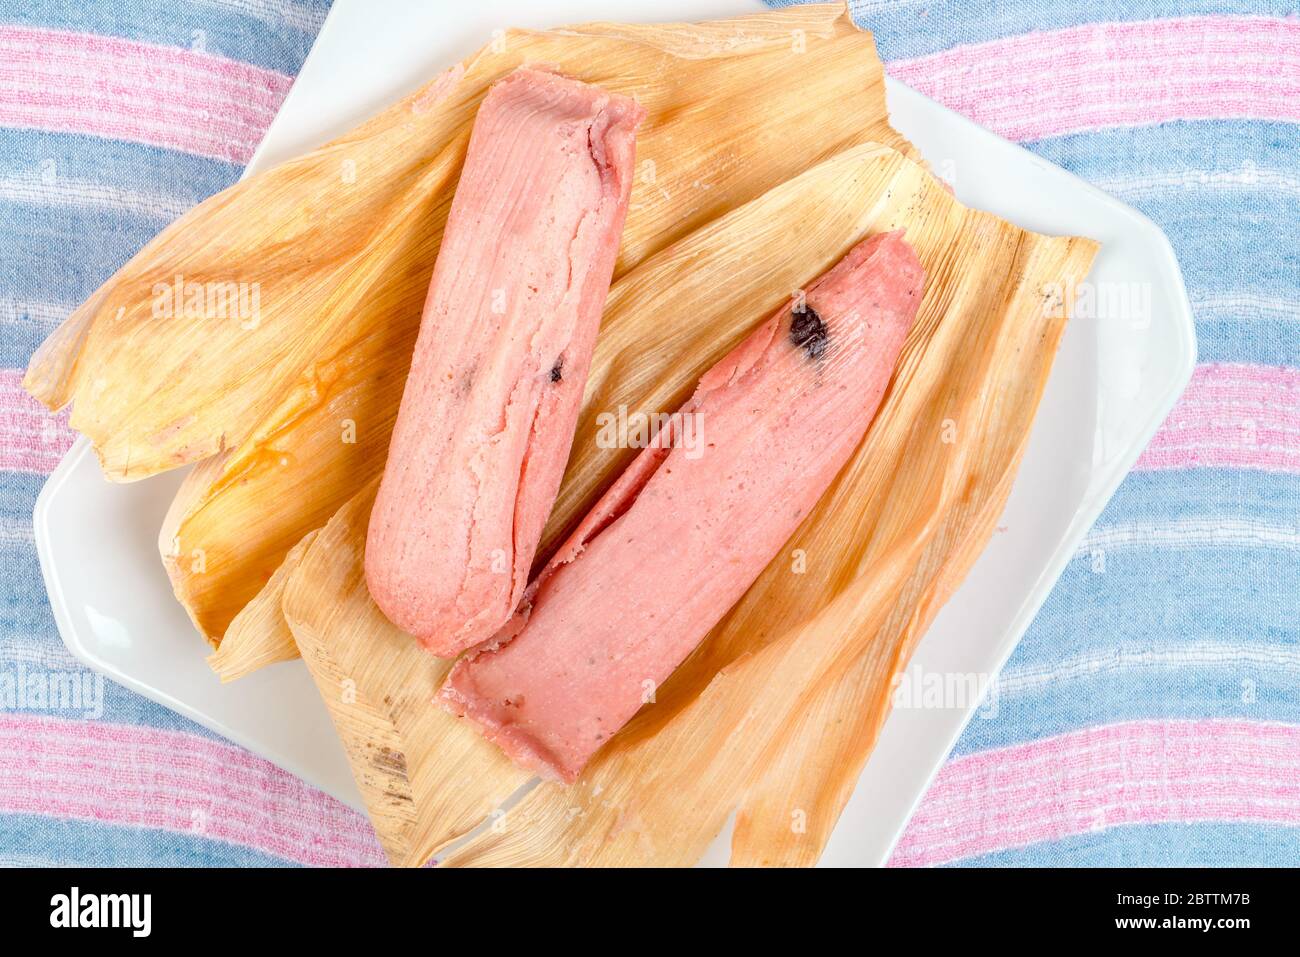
(1112, 385)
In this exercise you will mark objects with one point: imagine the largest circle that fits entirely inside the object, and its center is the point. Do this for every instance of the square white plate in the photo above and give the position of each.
(1113, 383)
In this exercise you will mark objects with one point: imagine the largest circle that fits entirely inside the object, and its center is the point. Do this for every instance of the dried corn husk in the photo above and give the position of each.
(697, 158)
(245, 509)
(259, 635)
(378, 683)
(884, 547)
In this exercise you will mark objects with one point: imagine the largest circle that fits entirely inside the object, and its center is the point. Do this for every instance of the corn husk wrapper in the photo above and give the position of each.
(425, 777)
(875, 560)
(260, 635)
(327, 430)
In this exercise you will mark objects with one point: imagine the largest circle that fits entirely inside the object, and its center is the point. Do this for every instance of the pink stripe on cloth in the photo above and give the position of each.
(123, 89)
(1118, 74)
(1137, 772)
(32, 439)
(1233, 415)
(146, 777)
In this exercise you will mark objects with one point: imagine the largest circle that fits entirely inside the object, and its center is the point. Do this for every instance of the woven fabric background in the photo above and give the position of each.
(1151, 714)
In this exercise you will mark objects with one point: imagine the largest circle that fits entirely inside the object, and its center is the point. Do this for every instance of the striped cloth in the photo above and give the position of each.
(115, 118)
(1150, 716)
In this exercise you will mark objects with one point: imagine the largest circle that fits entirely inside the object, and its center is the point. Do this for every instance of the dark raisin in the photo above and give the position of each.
(557, 370)
(809, 332)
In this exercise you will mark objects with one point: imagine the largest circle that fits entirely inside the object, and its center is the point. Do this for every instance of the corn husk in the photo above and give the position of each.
(425, 778)
(882, 550)
(697, 158)
(260, 635)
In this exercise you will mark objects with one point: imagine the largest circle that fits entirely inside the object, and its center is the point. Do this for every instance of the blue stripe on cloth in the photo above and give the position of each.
(35, 841)
(1223, 192)
(911, 28)
(1274, 331)
(1228, 245)
(72, 250)
(24, 324)
(73, 209)
(272, 34)
(23, 605)
(1119, 154)
(1158, 845)
(39, 160)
